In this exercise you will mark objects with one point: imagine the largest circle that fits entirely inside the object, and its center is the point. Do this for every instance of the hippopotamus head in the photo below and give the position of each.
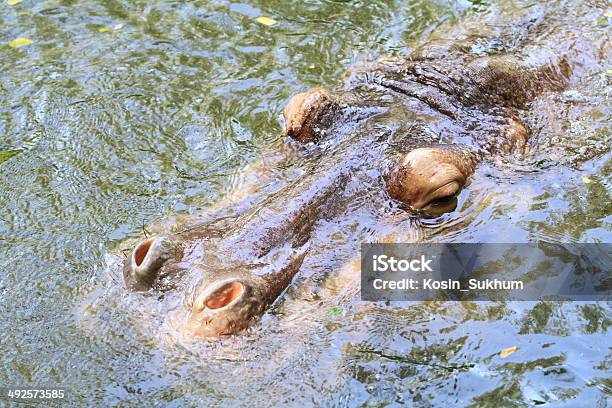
(426, 178)
(350, 150)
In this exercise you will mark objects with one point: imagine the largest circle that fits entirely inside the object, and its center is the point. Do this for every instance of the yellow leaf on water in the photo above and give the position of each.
(20, 42)
(608, 13)
(13, 2)
(507, 351)
(118, 27)
(267, 21)
(104, 30)
(586, 179)
(610, 71)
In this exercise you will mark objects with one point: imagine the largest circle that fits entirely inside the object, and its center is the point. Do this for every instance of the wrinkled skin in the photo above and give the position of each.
(411, 130)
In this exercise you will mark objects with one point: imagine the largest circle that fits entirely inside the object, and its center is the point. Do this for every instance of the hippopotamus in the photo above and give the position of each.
(406, 132)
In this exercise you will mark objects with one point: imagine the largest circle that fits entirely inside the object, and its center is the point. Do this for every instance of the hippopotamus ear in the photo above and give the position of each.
(303, 113)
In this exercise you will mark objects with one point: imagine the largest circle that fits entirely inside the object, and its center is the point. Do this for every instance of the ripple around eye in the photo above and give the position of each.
(473, 210)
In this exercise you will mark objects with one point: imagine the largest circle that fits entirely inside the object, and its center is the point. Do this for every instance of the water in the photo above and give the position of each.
(121, 113)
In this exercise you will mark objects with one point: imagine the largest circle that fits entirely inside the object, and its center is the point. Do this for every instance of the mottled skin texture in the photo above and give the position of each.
(412, 128)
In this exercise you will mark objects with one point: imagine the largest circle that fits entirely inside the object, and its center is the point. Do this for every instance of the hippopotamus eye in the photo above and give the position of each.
(441, 205)
(445, 193)
(430, 176)
(442, 200)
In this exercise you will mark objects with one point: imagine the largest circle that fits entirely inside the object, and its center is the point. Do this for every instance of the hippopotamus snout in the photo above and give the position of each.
(224, 303)
(143, 266)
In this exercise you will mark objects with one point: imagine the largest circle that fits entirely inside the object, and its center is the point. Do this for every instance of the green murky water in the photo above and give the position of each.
(121, 112)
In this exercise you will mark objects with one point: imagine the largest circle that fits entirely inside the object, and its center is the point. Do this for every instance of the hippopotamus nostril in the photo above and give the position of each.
(225, 302)
(142, 267)
(224, 296)
(149, 255)
(141, 251)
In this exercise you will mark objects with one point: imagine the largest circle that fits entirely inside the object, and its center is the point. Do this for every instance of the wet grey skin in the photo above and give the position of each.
(411, 130)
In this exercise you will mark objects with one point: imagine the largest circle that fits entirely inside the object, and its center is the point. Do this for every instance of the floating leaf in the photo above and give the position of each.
(104, 30)
(610, 71)
(13, 2)
(334, 311)
(586, 180)
(507, 351)
(20, 42)
(118, 26)
(267, 21)
(608, 13)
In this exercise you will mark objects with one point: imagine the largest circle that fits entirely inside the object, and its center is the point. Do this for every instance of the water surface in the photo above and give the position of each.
(122, 112)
